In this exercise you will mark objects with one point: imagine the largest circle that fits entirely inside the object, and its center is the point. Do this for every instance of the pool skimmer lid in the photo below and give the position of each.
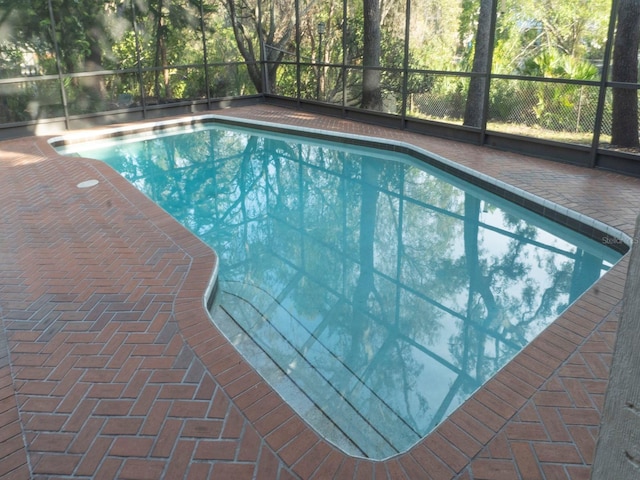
(88, 183)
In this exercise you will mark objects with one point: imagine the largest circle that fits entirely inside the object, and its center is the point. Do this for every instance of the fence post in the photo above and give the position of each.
(63, 93)
(618, 448)
(604, 79)
(488, 75)
(205, 56)
(141, 89)
(405, 64)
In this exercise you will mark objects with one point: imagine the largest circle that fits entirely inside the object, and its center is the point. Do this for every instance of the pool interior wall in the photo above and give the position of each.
(577, 222)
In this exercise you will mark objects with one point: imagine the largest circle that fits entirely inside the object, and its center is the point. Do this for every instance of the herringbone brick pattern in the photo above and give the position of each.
(111, 368)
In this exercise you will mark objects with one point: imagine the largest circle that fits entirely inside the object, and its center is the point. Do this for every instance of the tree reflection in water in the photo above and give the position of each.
(387, 291)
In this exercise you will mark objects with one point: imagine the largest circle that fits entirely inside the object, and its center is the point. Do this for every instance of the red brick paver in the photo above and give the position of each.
(111, 368)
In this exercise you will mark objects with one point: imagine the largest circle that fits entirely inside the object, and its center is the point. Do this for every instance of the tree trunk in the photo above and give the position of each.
(371, 92)
(94, 63)
(474, 110)
(624, 127)
(156, 62)
(245, 42)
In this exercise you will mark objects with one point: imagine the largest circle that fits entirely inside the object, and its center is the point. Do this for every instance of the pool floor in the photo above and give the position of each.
(110, 366)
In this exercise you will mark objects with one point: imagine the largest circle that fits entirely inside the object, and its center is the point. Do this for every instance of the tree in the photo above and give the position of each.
(371, 75)
(473, 114)
(624, 127)
(275, 29)
(161, 51)
(169, 34)
(527, 28)
(81, 31)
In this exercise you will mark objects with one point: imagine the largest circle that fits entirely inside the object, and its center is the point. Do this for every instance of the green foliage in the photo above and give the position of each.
(354, 40)
(437, 97)
(436, 35)
(555, 64)
(11, 57)
(560, 105)
(526, 28)
(124, 53)
(560, 39)
(505, 101)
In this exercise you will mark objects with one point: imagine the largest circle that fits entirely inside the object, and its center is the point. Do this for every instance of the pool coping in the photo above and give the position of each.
(471, 443)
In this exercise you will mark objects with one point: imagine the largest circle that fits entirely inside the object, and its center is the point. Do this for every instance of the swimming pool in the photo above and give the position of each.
(386, 290)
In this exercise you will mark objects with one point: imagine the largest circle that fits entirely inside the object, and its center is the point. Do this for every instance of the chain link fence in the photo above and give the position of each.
(437, 97)
(554, 106)
(564, 111)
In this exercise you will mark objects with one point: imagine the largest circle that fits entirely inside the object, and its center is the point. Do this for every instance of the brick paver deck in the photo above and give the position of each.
(111, 368)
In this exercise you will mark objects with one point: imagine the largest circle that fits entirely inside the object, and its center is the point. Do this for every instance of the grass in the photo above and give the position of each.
(532, 131)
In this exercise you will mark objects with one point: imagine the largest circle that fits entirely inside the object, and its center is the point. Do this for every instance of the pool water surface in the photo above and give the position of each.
(375, 292)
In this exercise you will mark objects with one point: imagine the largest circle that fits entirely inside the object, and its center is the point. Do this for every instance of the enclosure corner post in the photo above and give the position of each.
(618, 448)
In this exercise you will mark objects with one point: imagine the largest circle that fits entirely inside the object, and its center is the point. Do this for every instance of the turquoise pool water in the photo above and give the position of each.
(376, 292)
